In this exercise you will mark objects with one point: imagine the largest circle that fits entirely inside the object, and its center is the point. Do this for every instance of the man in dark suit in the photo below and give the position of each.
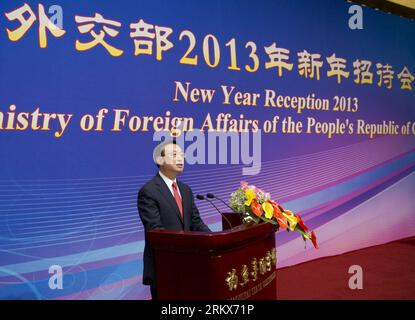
(165, 203)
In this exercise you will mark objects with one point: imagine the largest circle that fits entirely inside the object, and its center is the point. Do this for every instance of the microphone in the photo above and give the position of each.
(212, 196)
(201, 197)
(245, 216)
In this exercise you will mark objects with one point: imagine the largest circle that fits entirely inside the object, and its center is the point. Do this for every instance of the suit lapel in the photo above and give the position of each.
(165, 191)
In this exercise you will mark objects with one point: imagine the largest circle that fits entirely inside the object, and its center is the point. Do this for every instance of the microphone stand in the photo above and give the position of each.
(200, 197)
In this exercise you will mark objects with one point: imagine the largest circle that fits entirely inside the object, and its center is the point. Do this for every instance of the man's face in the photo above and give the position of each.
(173, 159)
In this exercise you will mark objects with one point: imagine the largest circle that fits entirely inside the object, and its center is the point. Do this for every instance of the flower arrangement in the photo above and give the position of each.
(255, 205)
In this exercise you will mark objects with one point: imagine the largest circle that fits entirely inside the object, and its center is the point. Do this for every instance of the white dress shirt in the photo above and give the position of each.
(169, 183)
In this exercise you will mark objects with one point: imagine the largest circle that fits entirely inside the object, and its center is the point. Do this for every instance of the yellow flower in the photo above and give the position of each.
(292, 220)
(249, 195)
(269, 210)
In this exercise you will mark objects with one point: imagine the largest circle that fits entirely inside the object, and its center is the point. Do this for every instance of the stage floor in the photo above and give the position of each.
(388, 273)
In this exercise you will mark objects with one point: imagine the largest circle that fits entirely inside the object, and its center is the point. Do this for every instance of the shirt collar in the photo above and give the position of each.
(166, 179)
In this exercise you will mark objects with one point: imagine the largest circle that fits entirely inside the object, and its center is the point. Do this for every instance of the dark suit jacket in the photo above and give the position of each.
(158, 209)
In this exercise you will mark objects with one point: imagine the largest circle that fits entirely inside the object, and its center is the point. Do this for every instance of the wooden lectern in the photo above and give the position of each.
(237, 263)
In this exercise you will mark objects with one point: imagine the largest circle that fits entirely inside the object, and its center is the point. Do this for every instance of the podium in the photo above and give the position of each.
(238, 263)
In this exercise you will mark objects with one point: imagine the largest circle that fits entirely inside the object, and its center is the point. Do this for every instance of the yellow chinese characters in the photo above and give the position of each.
(26, 17)
(259, 266)
(87, 24)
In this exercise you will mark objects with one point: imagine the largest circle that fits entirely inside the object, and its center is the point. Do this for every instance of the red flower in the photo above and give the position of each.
(277, 211)
(314, 239)
(300, 222)
(256, 208)
(278, 215)
(283, 223)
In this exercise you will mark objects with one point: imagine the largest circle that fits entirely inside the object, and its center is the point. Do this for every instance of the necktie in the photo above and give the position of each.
(178, 198)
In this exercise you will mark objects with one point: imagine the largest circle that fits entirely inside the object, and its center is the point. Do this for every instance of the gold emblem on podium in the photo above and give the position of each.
(262, 266)
(254, 272)
(244, 275)
(232, 280)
